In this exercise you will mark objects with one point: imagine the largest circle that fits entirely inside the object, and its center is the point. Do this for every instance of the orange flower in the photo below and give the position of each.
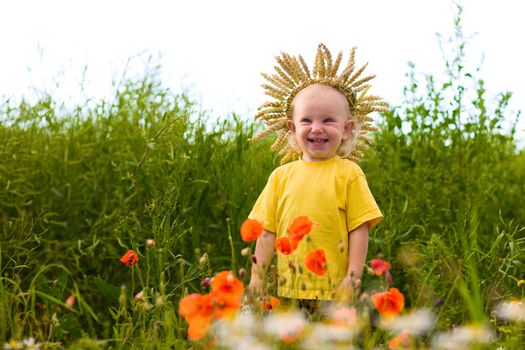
(198, 311)
(130, 258)
(300, 227)
(379, 266)
(268, 304)
(285, 245)
(389, 303)
(198, 327)
(225, 304)
(226, 282)
(402, 341)
(251, 230)
(195, 304)
(315, 261)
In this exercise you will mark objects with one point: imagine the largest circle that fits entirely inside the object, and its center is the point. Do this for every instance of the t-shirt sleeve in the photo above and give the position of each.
(264, 209)
(361, 205)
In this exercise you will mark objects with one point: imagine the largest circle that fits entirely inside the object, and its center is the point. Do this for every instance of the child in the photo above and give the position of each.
(321, 118)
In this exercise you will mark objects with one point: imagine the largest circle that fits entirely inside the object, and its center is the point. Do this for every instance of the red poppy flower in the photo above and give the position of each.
(251, 230)
(379, 266)
(226, 282)
(268, 304)
(198, 327)
(315, 261)
(198, 311)
(285, 245)
(194, 304)
(225, 304)
(300, 227)
(223, 301)
(389, 303)
(130, 258)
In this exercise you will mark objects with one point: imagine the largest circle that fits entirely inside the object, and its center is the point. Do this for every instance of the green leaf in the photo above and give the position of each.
(110, 291)
(60, 285)
(69, 323)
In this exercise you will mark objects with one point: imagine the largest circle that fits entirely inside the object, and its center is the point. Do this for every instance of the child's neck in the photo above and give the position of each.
(317, 160)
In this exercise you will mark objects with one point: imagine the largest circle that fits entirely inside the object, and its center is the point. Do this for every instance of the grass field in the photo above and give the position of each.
(81, 187)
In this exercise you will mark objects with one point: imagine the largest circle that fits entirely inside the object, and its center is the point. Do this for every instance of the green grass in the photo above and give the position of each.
(80, 187)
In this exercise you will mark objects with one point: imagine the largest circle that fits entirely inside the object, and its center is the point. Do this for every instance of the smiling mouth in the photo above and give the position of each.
(318, 140)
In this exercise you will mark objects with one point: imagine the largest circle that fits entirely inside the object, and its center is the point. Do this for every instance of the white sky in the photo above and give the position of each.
(215, 50)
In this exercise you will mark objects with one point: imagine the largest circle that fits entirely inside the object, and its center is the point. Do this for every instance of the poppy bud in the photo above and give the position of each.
(364, 297)
(245, 251)
(206, 282)
(150, 242)
(122, 297)
(388, 278)
(70, 301)
(439, 302)
(139, 296)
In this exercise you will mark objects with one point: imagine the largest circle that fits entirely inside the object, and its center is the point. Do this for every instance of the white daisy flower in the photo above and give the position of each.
(230, 332)
(511, 311)
(415, 323)
(459, 338)
(288, 327)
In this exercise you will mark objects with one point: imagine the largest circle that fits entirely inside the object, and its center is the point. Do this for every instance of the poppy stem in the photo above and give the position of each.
(133, 279)
(232, 248)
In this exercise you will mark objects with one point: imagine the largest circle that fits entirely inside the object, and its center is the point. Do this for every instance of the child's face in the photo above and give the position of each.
(320, 122)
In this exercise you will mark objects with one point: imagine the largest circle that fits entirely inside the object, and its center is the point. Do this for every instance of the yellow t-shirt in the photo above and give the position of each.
(333, 193)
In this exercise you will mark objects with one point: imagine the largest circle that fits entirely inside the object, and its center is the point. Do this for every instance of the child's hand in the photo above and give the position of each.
(347, 291)
(256, 285)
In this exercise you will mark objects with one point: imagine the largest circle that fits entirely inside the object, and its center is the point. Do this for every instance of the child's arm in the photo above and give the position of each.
(264, 249)
(357, 251)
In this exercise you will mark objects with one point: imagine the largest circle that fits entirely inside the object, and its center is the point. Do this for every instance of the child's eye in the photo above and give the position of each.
(306, 121)
(329, 120)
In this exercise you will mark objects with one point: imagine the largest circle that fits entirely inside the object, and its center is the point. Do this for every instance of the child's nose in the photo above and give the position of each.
(317, 127)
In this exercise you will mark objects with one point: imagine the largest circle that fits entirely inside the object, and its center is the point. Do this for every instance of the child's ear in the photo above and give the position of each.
(291, 126)
(349, 129)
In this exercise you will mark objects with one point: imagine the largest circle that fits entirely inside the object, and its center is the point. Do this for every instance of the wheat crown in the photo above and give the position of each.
(292, 75)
